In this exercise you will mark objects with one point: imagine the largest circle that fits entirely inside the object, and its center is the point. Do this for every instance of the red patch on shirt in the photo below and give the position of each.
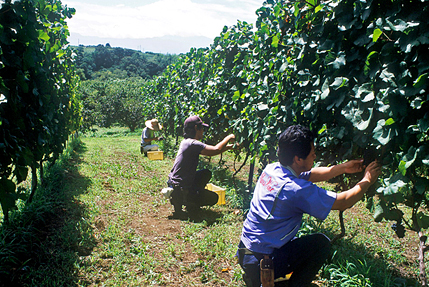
(267, 181)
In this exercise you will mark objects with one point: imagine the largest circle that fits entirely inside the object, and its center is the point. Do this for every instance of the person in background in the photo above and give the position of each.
(189, 184)
(284, 192)
(148, 135)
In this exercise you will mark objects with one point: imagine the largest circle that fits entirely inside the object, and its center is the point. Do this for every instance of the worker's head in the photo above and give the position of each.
(193, 126)
(295, 141)
(153, 124)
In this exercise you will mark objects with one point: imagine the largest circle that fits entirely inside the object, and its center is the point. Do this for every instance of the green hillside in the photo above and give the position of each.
(105, 61)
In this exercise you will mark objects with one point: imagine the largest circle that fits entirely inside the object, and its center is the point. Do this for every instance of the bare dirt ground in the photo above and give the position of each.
(158, 230)
(169, 250)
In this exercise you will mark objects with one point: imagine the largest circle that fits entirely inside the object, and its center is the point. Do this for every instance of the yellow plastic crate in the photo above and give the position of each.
(220, 192)
(155, 155)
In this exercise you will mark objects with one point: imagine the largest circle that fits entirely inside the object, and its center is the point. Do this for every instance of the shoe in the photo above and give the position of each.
(167, 192)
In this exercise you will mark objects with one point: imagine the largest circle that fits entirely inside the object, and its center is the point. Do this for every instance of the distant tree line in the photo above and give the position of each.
(112, 101)
(112, 81)
(107, 62)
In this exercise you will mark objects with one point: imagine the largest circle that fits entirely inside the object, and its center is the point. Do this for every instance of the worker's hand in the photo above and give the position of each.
(160, 138)
(231, 138)
(353, 166)
(229, 146)
(236, 146)
(372, 171)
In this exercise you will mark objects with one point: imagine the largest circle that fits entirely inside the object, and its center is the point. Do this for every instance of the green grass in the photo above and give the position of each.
(101, 221)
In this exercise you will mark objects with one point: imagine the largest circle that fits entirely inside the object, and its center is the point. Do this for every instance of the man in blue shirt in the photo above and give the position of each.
(284, 192)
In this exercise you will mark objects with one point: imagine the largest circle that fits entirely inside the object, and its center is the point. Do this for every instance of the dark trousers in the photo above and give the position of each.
(197, 195)
(303, 256)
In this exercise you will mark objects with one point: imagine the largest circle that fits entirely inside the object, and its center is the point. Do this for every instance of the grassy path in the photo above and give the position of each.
(138, 245)
(133, 242)
(99, 220)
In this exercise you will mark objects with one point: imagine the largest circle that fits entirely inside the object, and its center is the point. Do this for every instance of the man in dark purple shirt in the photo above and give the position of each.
(189, 184)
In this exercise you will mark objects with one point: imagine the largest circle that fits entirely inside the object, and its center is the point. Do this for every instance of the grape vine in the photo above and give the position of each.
(38, 109)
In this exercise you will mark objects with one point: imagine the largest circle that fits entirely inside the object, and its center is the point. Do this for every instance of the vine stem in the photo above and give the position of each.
(33, 181)
(341, 217)
(343, 228)
(422, 249)
(238, 170)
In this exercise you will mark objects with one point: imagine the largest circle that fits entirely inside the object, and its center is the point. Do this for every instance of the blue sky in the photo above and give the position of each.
(131, 21)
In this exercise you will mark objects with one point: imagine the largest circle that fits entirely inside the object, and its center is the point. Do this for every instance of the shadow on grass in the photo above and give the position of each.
(208, 215)
(41, 244)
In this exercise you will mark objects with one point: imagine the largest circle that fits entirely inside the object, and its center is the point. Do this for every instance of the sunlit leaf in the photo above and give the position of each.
(389, 122)
(378, 213)
(236, 96)
(421, 81)
(325, 90)
(408, 160)
(377, 33)
(339, 62)
(44, 36)
(275, 41)
(381, 133)
(283, 67)
(339, 82)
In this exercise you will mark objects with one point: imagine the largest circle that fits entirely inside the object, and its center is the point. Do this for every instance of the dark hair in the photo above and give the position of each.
(190, 132)
(294, 141)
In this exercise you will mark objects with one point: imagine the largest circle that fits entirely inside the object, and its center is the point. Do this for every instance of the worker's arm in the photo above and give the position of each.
(221, 147)
(326, 173)
(153, 139)
(347, 199)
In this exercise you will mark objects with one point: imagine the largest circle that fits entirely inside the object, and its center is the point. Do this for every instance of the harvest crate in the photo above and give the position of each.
(220, 192)
(155, 155)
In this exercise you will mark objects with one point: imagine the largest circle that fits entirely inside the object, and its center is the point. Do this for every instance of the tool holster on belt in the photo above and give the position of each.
(267, 271)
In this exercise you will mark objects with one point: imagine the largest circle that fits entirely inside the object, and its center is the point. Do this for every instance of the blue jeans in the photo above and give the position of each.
(303, 256)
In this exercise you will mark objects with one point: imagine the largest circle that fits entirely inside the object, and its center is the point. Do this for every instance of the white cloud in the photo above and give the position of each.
(159, 18)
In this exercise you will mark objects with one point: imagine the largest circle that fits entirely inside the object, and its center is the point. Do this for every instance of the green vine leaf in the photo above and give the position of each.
(377, 33)
(407, 160)
(421, 81)
(383, 134)
(422, 220)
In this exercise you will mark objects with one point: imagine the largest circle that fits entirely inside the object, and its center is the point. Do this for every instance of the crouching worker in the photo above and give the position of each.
(189, 184)
(148, 135)
(284, 192)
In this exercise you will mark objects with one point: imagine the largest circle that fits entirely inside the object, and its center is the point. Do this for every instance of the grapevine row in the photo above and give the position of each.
(38, 109)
